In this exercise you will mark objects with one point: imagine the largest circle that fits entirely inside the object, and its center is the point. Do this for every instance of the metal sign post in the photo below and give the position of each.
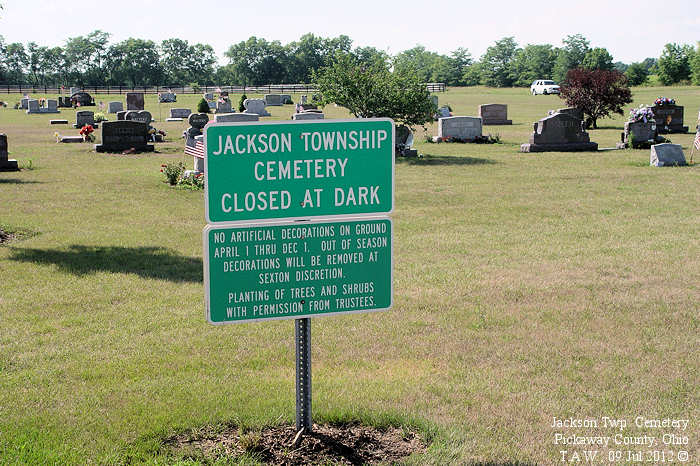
(302, 333)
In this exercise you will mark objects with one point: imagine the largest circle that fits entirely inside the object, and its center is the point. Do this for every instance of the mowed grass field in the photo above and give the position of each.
(527, 287)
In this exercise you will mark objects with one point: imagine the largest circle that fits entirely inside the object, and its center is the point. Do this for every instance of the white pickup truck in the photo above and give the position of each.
(543, 86)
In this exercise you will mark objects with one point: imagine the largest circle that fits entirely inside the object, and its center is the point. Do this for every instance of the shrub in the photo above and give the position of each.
(172, 172)
(598, 93)
(195, 88)
(203, 106)
(100, 117)
(241, 107)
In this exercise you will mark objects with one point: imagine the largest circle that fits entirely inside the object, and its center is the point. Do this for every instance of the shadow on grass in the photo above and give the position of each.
(428, 159)
(17, 181)
(147, 262)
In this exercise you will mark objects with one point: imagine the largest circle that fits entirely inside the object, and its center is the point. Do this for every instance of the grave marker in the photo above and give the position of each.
(118, 136)
(256, 106)
(115, 107)
(464, 128)
(494, 114)
(6, 164)
(134, 100)
(666, 155)
(560, 132)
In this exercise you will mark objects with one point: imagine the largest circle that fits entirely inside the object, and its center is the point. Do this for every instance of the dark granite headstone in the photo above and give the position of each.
(134, 100)
(180, 112)
(573, 111)
(560, 132)
(404, 141)
(669, 118)
(143, 116)
(639, 134)
(198, 120)
(167, 97)
(64, 102)
(83, 99)
(494, 114)
(6, 165)
(118, 136)
(121, 114)
(84, 117)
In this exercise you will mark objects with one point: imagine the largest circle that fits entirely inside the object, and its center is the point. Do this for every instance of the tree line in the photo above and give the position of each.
(92, 61)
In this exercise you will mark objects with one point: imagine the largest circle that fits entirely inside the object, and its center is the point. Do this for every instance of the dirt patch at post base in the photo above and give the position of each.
(327, 444)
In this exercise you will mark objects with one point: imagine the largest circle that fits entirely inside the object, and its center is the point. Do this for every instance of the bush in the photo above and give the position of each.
(241, 107)
(99, 117)
(598, 93)
(195, 88)
(172, 172)
(203, 106)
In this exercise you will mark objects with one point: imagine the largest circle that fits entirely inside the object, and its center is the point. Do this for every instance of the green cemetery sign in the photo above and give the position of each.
(298, 169)
(292, 270)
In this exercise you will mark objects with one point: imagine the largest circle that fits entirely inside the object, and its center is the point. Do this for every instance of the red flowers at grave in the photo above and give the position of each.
(86, 132)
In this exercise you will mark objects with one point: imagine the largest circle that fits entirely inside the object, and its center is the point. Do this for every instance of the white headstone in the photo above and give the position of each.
(308, 116)
(460, 127)
(256, 106)
(228, 117)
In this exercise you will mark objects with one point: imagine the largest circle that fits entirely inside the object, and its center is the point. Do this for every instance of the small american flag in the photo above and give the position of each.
(197, 150)
(696, 143)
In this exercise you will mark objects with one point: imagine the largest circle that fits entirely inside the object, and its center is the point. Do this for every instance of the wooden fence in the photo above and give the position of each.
(267, 89)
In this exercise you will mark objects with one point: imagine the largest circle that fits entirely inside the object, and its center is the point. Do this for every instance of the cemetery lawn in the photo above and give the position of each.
(527, 287)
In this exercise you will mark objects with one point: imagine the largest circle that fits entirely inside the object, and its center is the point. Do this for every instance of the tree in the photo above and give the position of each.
(637, 74)
(86, 56)
(533, 62)
(135, 62)
(370, 91)
(695, 66)
(497, 63)
(596, 92)
(257, 61)
(673, 65)
(597, 59)
(184, 63)
(16, 61)
(570, 56)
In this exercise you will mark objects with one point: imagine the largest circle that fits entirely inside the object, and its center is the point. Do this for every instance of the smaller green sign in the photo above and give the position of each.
(297, 269)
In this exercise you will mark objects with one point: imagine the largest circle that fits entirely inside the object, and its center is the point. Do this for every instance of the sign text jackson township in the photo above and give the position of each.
(292, 170)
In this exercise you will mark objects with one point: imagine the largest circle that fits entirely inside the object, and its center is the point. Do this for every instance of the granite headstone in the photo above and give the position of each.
(256, 106)
(118, 136)
(463, 128)
(560, 132)
(666, 155)
(6, 164)
(134, 100)
(114, 107)
(180, 112)
(494, 114)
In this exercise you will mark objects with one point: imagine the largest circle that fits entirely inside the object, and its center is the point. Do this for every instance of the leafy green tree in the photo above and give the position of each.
(257, 61)
(135, 62)
(86, 57)
(311, 53)
(371, 55)
(674, 64)
(183, 63)
(369, 91)
(597, 59)
(570, 56)
(497, 63)
(472, 75)
(418, 60)
(637, 74)
(533, 62)
(695, 66)
(17, 61)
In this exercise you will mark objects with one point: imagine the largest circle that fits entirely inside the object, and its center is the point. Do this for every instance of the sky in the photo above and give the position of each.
(630, 31)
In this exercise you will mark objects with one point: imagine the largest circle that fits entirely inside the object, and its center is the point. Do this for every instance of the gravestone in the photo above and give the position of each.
(223, 106)
(114, 107)
(212, 106)
(494, 114)
(404, 142)
(180, 112)
(24, 103)
(174, 119)
(208, 96)
(463, 128)
(306, 107)
(82, 99)
(121, 114)
(32, 106)
(167, 97)
(560, 132)
(72, 139)
(118, 136)
(308, 116)
(229, 117)
(6, 164)
(197, 121)
(143, 116)
(666, 155)
(134, 100)
(639, 134)
(434, 101)
(256, 106)
(58, 122)
(573, 111)
(669, 118)
(304, 99)
(84, 117)
(273, 100)
(74, 90)
(443, 112)
(64, 102)
(198, 161)
(286, 99)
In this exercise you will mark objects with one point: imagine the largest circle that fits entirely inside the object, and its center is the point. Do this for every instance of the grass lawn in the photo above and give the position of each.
(527, 287)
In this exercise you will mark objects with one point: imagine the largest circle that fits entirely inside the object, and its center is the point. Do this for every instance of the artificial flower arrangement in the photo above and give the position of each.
(643, 113)
(664, 101)
(86, 132)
